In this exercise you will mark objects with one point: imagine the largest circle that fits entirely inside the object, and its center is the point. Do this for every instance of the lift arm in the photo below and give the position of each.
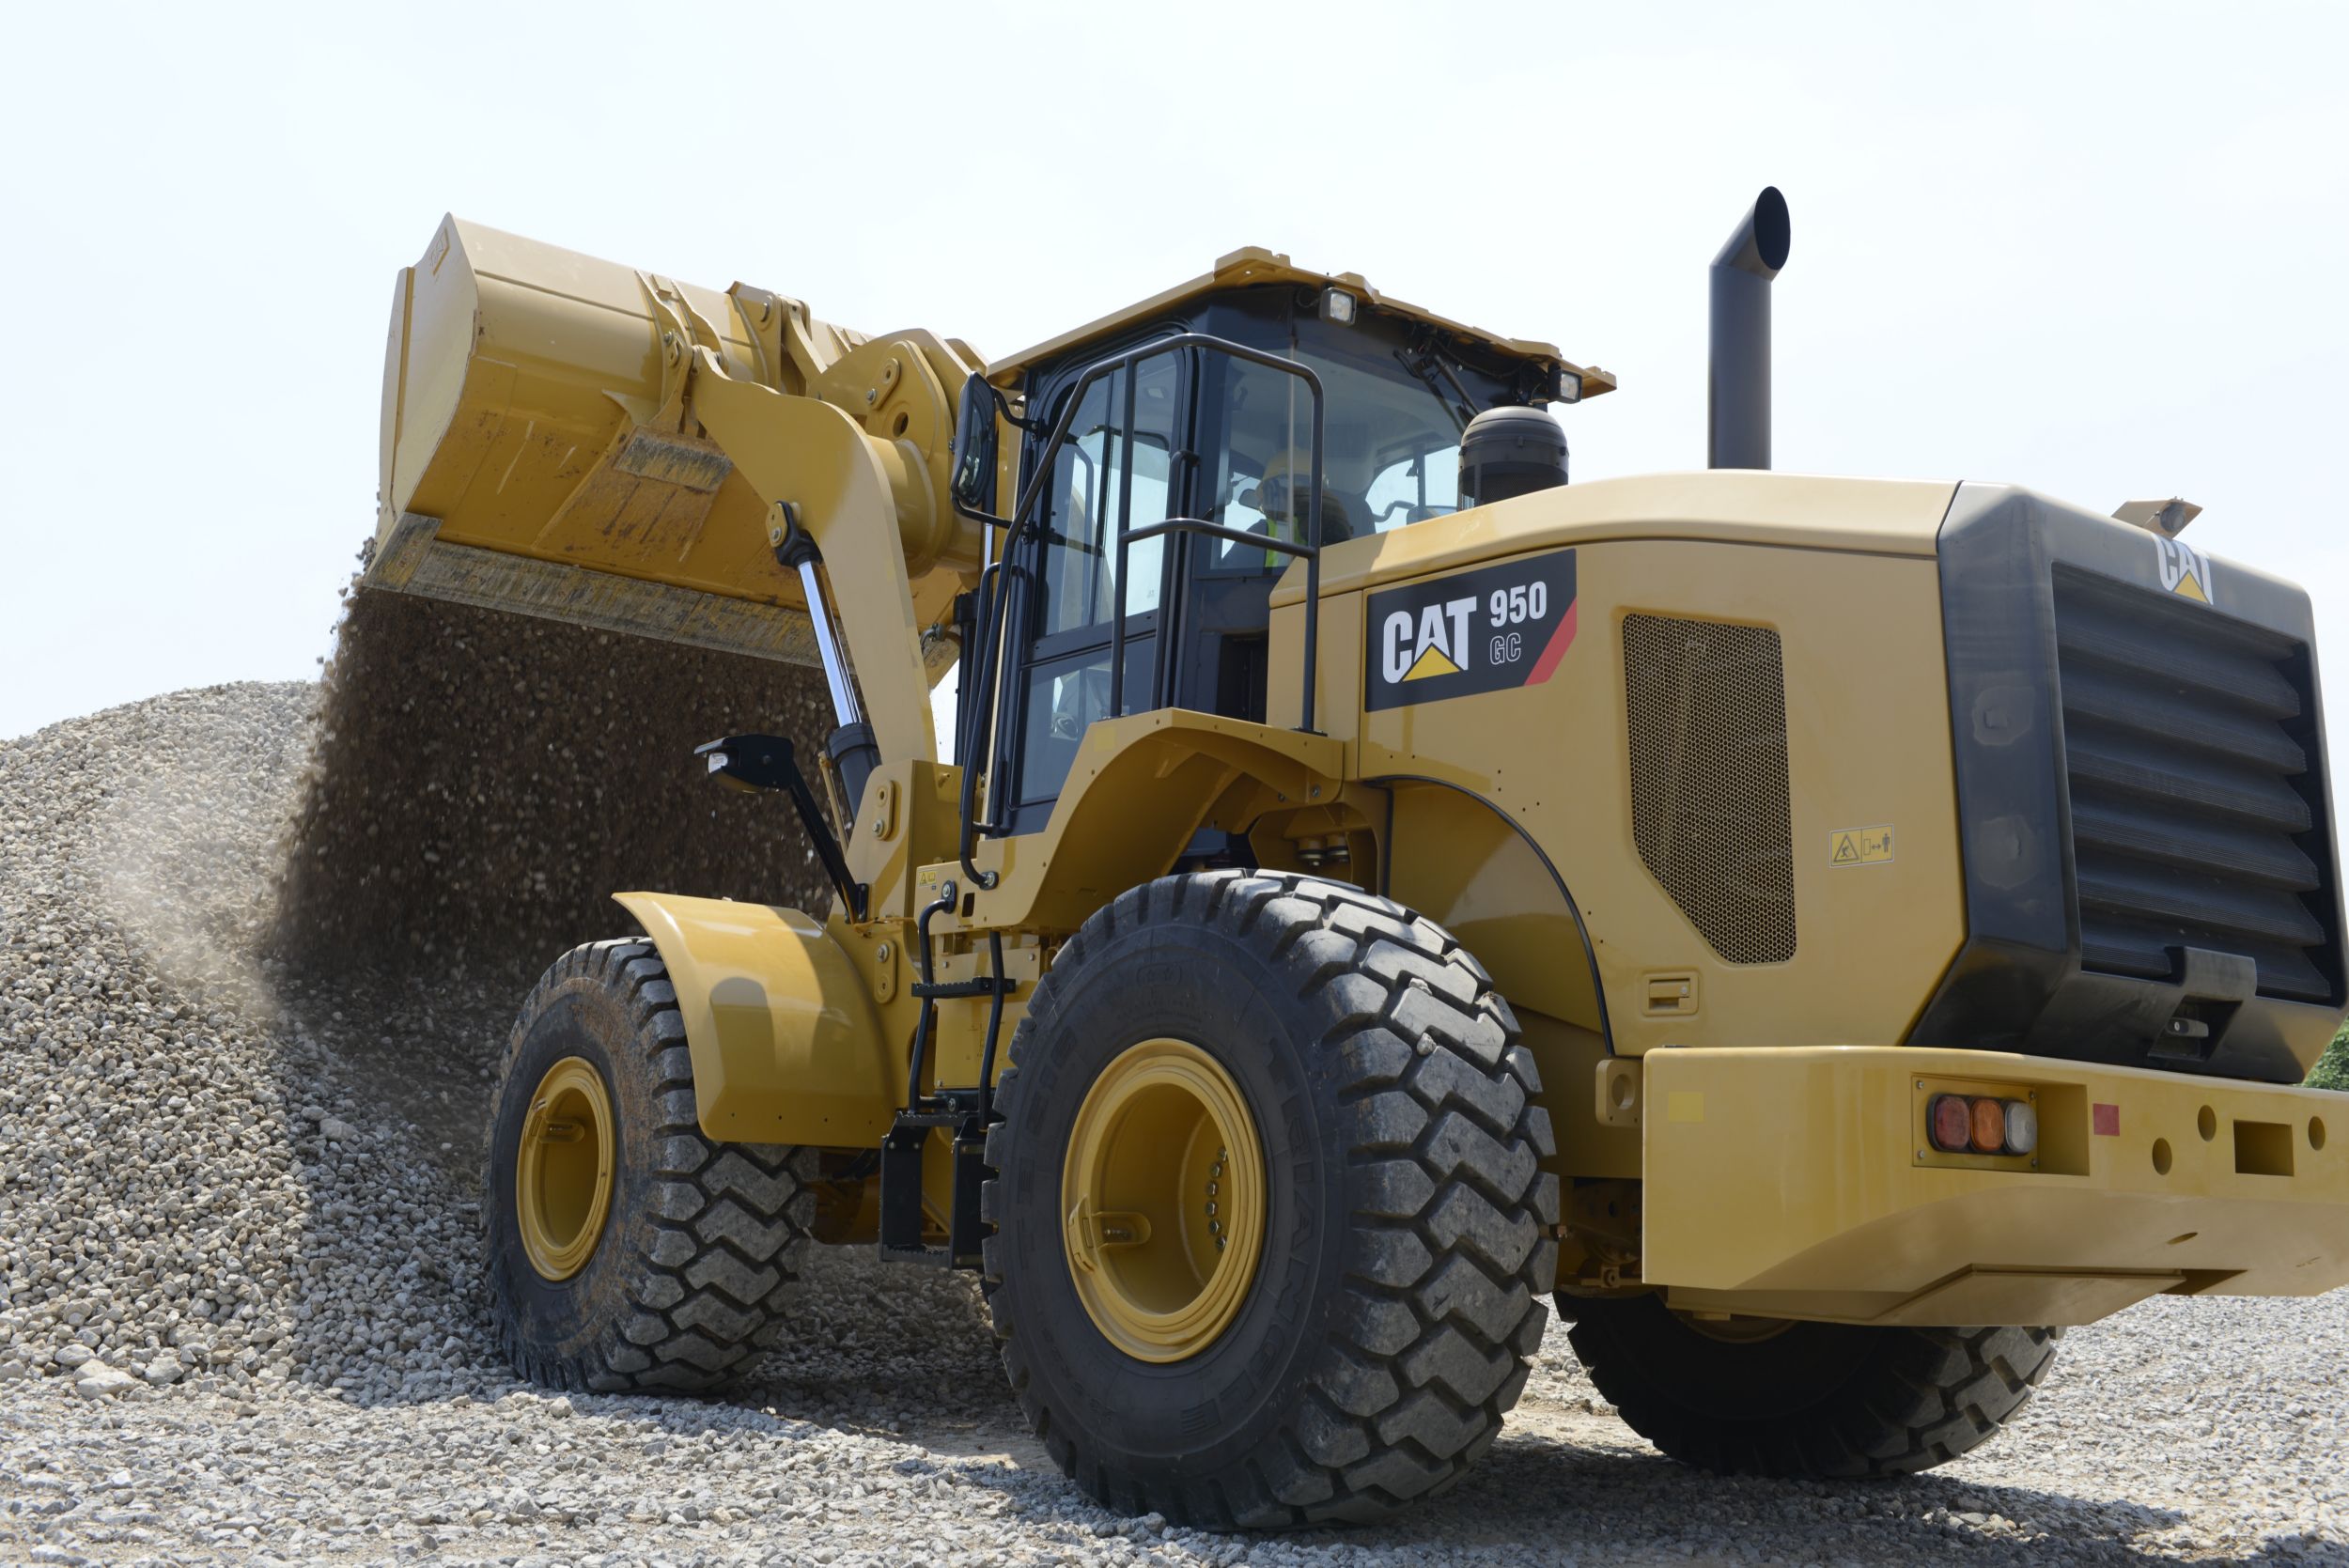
(804, 454)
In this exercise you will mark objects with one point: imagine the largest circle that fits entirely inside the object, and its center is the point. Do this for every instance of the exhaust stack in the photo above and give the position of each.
(1737, 425)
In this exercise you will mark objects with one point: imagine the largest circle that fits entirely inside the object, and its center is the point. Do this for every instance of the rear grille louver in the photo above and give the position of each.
(2189, 742)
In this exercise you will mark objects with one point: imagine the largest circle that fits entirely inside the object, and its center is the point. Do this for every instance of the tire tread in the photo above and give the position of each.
(1443, 1181)
(1914, 1398)
(725, 1217)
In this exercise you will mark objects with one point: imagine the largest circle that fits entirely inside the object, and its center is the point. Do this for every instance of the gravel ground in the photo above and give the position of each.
(238, 1320)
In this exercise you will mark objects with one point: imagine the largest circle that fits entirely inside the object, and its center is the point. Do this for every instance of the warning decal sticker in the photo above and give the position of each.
(1859, 845)
(1482, 631)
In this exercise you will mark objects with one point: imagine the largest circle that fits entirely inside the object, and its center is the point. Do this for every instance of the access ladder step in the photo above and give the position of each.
(944, 1118)
(980, 986)
(901, 1213)
(936, 1257)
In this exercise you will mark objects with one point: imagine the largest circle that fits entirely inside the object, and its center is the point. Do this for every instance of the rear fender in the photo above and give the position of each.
(786, 1045)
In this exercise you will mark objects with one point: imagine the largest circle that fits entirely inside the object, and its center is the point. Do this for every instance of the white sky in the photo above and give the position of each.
(2101, 250)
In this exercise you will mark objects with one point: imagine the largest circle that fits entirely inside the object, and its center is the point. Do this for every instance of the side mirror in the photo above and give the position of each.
(975, 448)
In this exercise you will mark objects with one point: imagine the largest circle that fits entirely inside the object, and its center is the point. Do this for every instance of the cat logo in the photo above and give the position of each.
(1498, 627)
(2185, 571)
(1437, 643)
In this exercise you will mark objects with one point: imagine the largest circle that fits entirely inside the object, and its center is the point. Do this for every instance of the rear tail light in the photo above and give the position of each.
(1982, 1124)
(1989, 1129)
(2022, 1128)
(1951, 1121)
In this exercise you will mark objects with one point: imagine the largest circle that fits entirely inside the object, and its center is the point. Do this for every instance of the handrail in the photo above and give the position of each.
(1040, 480)
(1310, 553)
(981, 723)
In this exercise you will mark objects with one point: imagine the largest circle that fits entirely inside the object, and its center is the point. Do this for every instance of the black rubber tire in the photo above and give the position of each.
(1408, 1237)
(1818, 1400)
(687, 1284)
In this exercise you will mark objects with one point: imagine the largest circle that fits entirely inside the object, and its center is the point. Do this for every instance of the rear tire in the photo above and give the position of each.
(1819, 1400)
(1402, 1224)
(677, 1279)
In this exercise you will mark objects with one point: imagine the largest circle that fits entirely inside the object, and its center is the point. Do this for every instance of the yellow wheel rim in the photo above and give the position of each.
(563, 1174)
(1163, 1201)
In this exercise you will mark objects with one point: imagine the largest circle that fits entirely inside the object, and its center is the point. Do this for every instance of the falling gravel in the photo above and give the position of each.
(480, 784)
(240, 1313)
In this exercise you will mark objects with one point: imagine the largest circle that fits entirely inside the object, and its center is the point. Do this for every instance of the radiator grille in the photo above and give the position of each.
(1709, 804)
(2190, 745)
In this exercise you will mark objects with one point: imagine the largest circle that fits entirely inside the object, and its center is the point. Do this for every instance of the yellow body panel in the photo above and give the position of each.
(1842, 570)
(1473, 871)
(1885, 517)
(1792, 1182)
(780, 1024)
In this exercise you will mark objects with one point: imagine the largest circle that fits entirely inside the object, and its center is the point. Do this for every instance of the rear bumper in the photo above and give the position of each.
(1798, 1182)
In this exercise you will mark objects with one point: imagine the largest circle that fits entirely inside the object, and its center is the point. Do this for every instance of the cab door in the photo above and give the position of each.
(1066, 575)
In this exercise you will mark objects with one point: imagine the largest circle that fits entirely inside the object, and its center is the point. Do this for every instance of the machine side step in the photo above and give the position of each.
(901, 1216)
(978, 986)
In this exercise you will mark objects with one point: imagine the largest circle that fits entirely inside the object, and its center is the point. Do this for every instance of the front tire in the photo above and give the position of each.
(1816, 1399)
(625, 1250)
(1399, 1241)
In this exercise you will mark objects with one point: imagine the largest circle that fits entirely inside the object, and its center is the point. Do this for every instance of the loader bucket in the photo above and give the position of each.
(537, 455)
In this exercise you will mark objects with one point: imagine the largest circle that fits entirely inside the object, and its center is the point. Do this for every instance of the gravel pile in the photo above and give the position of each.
(239, 1321)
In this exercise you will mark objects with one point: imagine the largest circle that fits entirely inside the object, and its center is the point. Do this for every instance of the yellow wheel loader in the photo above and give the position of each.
(1828, 935)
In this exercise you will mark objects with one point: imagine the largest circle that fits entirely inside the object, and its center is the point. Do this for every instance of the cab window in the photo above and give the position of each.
(1414, 489)
(1089, 492)
(1098, 478)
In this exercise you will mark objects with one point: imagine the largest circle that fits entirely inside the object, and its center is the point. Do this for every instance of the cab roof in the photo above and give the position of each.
(1254, 264)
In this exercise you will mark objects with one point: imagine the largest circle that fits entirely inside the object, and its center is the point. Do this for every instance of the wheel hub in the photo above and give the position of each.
(563, 1170)
(1163, 1190)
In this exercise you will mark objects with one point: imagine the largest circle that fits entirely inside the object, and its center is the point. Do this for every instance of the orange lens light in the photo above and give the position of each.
(1989, 1119)
(1950, 1121)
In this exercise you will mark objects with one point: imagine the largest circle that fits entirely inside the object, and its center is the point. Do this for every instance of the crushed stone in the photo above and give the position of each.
(240, 1319)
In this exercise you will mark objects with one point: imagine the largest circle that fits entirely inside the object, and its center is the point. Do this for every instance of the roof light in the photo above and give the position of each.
(1337, 306)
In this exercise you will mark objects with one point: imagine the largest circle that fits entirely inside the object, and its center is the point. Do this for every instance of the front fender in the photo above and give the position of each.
(786, 1045)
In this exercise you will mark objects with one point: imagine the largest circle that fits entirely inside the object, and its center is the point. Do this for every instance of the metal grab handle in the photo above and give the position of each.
(1310, 553)
(982, 671)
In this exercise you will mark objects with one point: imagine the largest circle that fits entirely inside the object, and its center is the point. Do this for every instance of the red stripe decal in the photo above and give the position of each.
(1560, 641)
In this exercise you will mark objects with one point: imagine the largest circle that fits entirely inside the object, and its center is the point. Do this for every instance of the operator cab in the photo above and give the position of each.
(1200, 433)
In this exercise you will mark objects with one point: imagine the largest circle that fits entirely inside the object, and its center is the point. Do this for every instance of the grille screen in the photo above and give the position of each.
(1709, 808)
(2190, 743)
